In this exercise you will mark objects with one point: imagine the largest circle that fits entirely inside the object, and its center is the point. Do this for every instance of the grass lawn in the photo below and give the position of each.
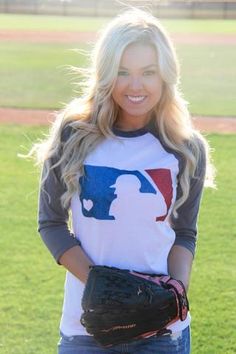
(63, 23)
(208, 82)
(50, 23)
(36, 76)
(31, 289)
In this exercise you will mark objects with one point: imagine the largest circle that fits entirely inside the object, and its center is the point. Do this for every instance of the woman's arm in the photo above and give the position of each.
(185, 226)
(77, 262)
(53, 225)
(54, 230)
(180, 264)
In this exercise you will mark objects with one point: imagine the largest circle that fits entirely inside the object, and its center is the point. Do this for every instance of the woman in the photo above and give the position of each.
(125, 160)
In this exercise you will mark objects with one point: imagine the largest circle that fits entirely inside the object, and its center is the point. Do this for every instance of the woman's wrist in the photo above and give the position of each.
(180, 264)
(76, 262)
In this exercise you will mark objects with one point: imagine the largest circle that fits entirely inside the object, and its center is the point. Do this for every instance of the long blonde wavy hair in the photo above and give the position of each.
(92, 116)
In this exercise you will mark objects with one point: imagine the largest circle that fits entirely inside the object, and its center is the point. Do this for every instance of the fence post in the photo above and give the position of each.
(35, 11)
(64, 8)
(192, 9)
(225, 10)
(65, 5)
(96, 7)
(6, 6)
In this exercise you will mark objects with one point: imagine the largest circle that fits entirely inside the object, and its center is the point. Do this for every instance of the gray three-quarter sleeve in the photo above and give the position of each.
(52, 217)
(185, 225)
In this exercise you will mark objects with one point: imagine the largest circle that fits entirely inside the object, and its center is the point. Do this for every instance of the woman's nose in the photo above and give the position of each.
(136, 83)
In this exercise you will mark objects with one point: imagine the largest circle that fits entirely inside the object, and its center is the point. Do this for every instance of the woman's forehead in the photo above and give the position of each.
(139, 54)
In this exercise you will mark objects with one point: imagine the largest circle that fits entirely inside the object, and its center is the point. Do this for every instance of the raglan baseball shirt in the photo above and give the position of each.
(122, 216)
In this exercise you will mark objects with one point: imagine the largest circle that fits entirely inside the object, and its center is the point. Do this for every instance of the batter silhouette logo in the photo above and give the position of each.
(112, 194)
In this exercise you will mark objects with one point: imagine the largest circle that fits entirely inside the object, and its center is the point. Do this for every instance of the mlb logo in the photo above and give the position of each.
(112, 194)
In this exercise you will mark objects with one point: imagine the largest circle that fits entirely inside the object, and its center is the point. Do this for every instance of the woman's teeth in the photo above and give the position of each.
(136, 98)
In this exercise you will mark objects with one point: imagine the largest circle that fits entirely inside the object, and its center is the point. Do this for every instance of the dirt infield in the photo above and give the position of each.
(81, 37)
(44, 117)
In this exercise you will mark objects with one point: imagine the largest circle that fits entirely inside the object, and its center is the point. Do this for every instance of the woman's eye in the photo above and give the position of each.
(123, 73)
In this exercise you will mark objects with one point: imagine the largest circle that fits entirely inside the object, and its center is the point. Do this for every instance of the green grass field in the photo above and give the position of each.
(35, 76)
(31, 82)
(31, 291)
(62, 23)
(32, 284)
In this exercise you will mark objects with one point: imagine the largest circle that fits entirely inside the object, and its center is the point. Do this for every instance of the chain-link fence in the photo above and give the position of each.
(162, 8)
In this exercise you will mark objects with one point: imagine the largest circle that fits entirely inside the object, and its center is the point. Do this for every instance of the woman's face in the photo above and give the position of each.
(138, 87)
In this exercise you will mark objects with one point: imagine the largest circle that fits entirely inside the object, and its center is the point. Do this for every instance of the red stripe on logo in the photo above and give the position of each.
(162, 179)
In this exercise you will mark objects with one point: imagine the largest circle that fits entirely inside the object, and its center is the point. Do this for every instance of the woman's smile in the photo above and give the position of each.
(136, 99)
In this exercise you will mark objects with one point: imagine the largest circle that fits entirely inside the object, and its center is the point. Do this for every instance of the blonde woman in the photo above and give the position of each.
(127, 164)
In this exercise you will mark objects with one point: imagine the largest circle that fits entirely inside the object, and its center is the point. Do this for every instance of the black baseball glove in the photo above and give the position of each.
(121, 305)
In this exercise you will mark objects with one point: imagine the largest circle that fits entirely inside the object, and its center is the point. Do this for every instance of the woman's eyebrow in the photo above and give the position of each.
(143, 68)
